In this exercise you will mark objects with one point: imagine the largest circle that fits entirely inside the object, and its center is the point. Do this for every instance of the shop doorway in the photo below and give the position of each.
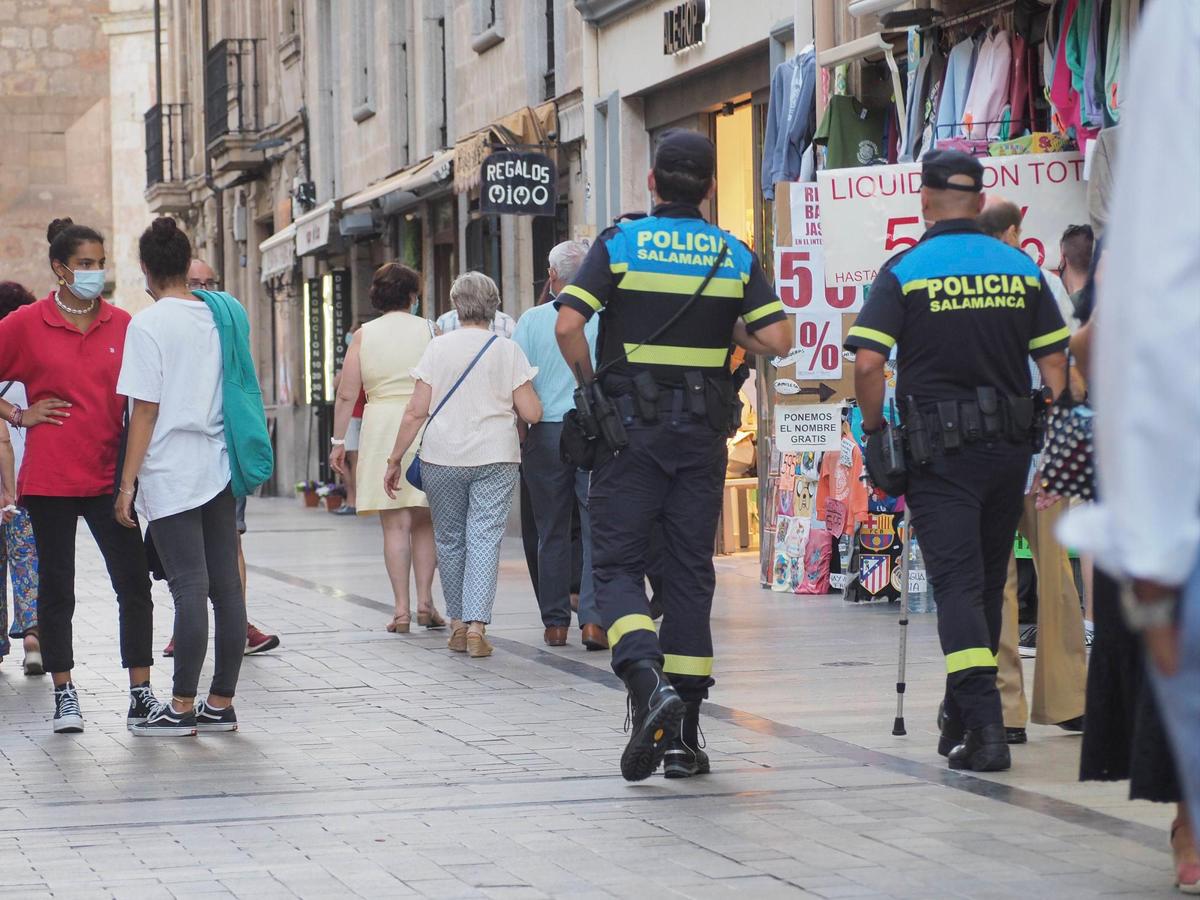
(734, 128)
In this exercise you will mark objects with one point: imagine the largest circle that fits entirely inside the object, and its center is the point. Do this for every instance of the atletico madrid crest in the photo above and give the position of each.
(874, 572)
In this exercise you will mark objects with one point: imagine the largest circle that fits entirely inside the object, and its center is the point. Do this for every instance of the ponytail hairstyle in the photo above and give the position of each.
(65, 237)
(165, 251)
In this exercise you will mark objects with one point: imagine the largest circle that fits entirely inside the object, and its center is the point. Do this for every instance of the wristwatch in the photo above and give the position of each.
(338, 442)
(1140, 615)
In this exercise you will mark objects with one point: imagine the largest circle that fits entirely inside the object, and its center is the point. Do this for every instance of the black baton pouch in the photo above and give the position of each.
(972, 426)
(947, 413)
(645, 397)
(989, 409)
(697, 405)
(1020, 415)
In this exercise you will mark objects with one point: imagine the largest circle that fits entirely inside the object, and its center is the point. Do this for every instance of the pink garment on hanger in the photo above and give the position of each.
(989, 88)
(1018, 88)
(1063, 96)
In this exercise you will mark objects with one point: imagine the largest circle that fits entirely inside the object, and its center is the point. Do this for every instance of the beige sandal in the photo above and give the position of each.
(400, 625)
(477, 645)
(458, 639)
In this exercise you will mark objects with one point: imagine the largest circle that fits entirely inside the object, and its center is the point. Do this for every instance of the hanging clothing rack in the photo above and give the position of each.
(971, 15)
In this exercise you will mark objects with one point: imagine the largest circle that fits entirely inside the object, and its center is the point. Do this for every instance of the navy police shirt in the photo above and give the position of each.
(965, 310)
(641, 271)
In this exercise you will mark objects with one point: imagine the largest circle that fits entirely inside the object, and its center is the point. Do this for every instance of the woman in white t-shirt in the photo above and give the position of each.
(469, 454)
(18, 552)
(177, 474)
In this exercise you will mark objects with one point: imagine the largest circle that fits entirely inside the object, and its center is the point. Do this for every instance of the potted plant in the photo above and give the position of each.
(334, 496)
(307, 491)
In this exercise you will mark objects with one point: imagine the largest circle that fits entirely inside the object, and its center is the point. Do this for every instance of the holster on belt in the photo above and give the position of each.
(916, 435)
(693, 389)
(1020, 420)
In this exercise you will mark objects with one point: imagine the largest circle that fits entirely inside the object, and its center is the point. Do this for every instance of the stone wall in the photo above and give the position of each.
(54, 154)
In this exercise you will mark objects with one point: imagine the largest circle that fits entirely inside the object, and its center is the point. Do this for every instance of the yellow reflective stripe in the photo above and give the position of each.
(618, 268)
(755, 314)
(666, 283)
(974, 658)
(871, 334)
(1052, 338)
(626, 624)
(687, 665)
(659, 355)
(1033, 280)
(586, 296)
(917, 284)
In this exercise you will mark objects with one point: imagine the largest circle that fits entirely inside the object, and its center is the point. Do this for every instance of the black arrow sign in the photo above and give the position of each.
(823, 391)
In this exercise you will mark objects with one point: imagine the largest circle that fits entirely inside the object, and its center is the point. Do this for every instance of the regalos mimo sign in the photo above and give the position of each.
(518, 183)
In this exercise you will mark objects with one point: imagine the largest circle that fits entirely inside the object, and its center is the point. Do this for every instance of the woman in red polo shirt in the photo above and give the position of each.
(66, 349)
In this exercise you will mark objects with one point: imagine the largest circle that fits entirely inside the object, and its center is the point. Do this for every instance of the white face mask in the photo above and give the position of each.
(88, 283)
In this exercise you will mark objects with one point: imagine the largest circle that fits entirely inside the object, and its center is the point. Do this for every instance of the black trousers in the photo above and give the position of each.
(529, 542)
(672, 473)
(965, 510)
(55, 520)
(198, 548)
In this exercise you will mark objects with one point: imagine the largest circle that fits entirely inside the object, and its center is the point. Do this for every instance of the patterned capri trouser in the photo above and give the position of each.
(470, 506)
(18, 555)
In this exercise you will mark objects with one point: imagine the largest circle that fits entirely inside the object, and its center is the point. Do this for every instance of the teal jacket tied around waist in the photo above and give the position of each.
(251, 458)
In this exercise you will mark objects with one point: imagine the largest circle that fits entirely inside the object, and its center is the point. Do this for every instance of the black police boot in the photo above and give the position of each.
(983, 750)
(951, 731)
(655, 712)
(685, 755)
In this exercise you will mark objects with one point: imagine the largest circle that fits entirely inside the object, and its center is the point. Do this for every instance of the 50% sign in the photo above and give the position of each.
(818, 350)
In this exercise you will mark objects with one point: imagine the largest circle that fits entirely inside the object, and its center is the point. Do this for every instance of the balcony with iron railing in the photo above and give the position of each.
(233, 103)
(167, 150)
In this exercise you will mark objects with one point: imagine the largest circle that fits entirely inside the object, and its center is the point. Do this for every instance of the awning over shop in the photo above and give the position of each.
(421, 176)
(313, 229)
(525, 126)
(277, 254)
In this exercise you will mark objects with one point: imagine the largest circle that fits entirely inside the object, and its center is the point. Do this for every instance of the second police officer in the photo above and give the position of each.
(675, 396)
(966, 313)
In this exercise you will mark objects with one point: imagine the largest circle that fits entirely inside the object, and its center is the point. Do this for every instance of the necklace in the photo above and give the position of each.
(72, 310)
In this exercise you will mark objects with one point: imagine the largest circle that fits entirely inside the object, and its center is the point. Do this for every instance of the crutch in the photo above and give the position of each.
(905, 555)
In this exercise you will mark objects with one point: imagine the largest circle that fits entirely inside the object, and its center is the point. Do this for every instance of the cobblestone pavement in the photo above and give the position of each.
(377, 765)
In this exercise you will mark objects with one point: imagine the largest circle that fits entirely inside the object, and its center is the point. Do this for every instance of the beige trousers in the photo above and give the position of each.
(1060, 673)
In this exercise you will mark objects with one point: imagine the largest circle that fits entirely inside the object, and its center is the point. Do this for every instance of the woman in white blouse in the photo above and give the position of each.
(470, 453)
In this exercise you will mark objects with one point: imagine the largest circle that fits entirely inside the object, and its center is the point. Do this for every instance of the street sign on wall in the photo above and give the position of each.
(520, 183)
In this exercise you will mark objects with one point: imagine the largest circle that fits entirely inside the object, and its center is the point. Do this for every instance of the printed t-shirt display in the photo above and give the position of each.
(852, 133)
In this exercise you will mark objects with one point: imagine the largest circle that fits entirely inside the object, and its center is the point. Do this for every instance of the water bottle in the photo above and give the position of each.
(920, 595)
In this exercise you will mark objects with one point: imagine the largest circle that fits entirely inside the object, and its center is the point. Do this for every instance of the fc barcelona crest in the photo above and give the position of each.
(878, 532)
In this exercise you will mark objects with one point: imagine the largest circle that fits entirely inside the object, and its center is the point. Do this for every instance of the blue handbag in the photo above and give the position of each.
(414, 469)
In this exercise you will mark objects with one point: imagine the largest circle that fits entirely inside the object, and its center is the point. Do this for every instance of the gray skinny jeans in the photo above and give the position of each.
(198, 549)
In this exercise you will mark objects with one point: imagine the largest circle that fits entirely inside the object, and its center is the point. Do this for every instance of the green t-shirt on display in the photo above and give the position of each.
(852, 133)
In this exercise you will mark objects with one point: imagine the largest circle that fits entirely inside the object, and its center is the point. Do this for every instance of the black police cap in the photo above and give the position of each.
(939, 166)
(680, 150)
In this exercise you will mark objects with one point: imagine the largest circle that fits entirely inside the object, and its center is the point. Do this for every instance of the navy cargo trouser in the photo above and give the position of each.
(965, 510)
(672, 472)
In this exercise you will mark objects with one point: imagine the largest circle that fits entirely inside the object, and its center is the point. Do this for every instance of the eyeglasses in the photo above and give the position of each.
(211, 284)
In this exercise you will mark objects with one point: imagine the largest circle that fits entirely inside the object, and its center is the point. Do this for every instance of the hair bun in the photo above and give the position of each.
(164, 227)
(57, 227)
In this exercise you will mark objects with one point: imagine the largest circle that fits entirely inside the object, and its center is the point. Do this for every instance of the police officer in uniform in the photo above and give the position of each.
(676, 398)
(965, 312)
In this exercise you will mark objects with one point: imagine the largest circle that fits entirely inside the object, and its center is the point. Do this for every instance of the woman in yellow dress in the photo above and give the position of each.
(380, 359)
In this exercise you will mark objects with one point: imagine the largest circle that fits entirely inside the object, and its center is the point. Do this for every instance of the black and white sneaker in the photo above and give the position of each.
(68, 718)
(209, 718)
(1027, 647)
(164, 721)
(142, 702)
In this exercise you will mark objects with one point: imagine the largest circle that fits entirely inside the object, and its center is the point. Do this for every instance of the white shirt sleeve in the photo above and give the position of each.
(1146, 369)
(141, 375)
